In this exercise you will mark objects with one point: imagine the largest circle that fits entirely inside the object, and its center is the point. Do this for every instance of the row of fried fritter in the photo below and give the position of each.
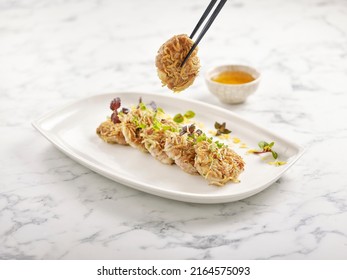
(149, 129)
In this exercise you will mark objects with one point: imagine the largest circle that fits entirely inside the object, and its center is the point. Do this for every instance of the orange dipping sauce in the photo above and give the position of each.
(233, 77)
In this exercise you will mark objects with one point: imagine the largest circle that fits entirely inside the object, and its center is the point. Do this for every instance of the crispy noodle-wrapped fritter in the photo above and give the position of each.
(154, 137)
(169, 59)
(216, 164)
(133, 124)
(180, 147)
(111, 132)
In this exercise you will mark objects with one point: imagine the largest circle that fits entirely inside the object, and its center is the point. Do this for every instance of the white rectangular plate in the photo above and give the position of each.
(72, 130)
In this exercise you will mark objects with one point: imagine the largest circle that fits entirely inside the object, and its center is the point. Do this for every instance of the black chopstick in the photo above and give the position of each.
(206, 27)
(203, 17)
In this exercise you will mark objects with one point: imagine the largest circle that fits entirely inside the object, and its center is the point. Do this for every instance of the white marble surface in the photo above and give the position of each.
(54, 52)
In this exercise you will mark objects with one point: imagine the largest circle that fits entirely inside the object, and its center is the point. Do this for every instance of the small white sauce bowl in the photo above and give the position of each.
(232, 93)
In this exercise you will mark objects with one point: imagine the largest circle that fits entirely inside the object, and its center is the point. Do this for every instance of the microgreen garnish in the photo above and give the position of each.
(188, 129)
(153, 105)
(157, 124)
(266, 148)
(125, 110)
(135, 120)
(191, 130)
(178, 118)
(142, 106)
(114, 106)
(219, 144)
(160, 124)
(189, 114)
(160, 110)
(198, 136)
(221, 129)
(183, 130)
(201, 138)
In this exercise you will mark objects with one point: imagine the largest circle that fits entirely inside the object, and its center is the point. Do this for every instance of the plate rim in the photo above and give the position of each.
(192, 198)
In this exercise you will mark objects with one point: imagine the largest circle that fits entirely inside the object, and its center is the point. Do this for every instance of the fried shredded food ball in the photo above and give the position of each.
(181, 149)
(132, 125)
(169, 59)
(155, 142)
(218, 165)
(111, 132)
(154, 136)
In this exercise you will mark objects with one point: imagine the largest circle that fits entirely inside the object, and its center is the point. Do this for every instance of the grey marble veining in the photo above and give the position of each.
(54, 52)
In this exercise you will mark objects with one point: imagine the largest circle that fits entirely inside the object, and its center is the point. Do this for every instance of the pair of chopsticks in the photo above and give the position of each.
(207, 25)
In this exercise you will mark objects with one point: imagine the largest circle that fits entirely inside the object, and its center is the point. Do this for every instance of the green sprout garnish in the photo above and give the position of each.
(160, 110)
(221, 129)
(178, 118)
(135, 120)
(158, 125)
(219, 144)
(189, 114)
(198, 136)
(266, 148)
(142, 106)
(168, 127)
(201, 138)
